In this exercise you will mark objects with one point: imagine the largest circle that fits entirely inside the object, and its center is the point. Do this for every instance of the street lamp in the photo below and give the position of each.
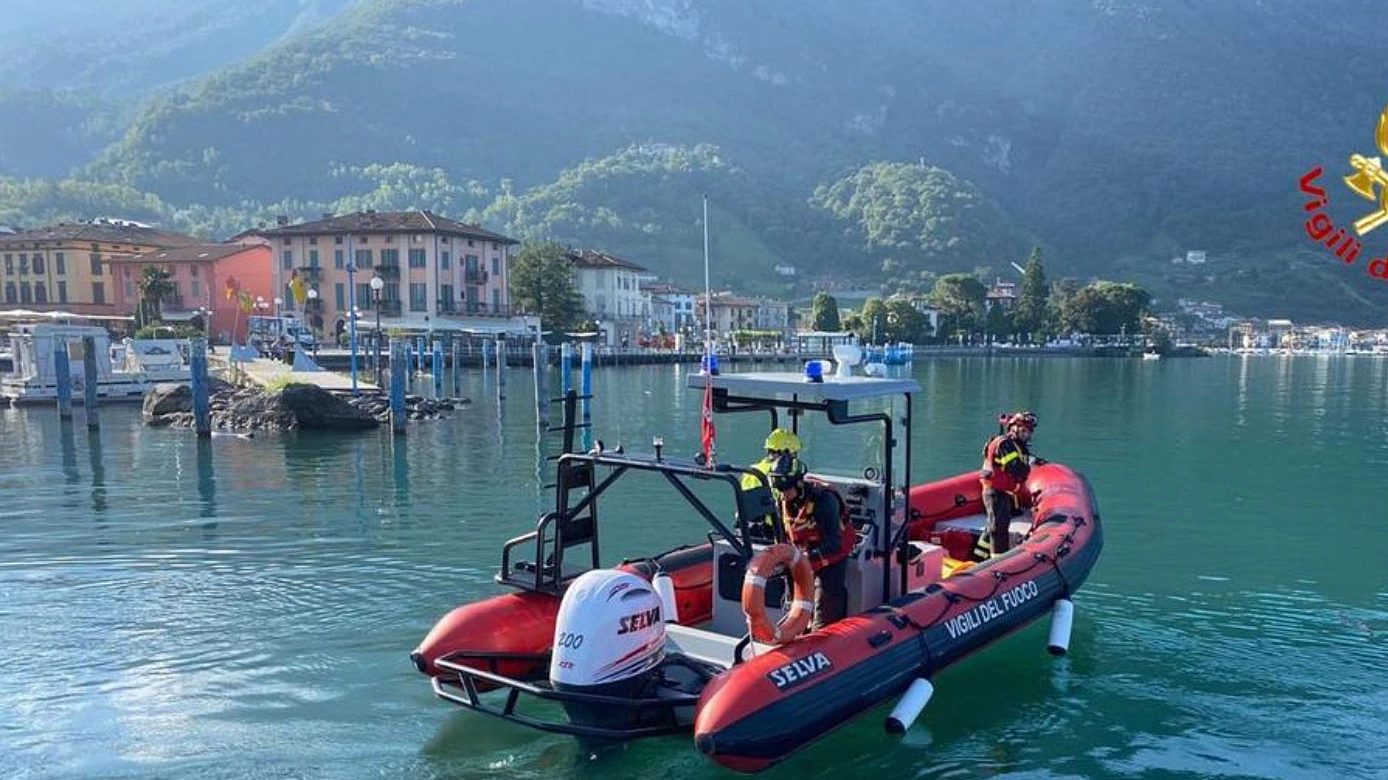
(377, 284)
(312, 301)
(352, 309)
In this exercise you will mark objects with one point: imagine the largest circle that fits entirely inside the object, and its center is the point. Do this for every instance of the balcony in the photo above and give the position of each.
(389, 308)
(313, 304)
(474, 276)
(445, 306)
(389, 272)
(310, 273)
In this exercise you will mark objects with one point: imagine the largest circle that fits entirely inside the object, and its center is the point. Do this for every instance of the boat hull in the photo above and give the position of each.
(761, 711)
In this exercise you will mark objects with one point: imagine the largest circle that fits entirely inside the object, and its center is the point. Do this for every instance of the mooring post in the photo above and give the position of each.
(587, 390)
(540, 354)
(64, 371)
(89, 374)
(419, 354)
(500, 365)
(399, 370)
(566, 362)
(437, 368)
(202, 405)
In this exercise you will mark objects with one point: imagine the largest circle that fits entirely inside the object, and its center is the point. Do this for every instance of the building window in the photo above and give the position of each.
(446, 297)
(9, 292)
(364, 294)
(287, 259)
(313, 240)
(98, 293)
(96, 263)
(313, 258)
(25, 294)
(129, 290)
(9, 264)
(496, 299)
(62, 292)
(363, 258)
(340, 294)
(59, 263)
(337, 259)
(390, 258)
(496, 266)
(40, 292)
(416, 258)
(443, 260)
(390, 239)
(337, 239)
(193, 289)
(418, 297)
(38, 264)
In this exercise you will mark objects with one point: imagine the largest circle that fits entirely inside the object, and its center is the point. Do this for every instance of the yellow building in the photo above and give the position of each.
(64, 267)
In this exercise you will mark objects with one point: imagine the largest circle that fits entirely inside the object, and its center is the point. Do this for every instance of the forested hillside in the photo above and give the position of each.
(866, 141)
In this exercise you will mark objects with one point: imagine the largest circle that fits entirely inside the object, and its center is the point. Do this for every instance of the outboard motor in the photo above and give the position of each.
(609, 640)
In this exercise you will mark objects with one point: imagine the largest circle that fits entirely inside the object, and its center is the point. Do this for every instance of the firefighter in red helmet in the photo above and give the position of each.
(1007, 462)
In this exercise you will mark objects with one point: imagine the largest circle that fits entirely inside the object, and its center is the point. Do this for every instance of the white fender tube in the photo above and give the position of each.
(665, 588)
(1062, 618)
(909, 708)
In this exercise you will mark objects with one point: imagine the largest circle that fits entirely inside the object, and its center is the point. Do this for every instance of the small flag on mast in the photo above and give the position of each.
(706, 428)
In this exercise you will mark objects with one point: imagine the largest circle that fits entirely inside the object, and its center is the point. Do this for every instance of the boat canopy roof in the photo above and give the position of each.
(770, 385)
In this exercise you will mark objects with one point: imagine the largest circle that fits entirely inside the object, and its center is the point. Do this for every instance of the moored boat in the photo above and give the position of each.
(662, 644)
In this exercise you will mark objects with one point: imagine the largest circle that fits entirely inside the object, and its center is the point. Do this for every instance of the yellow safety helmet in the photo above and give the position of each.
(782, 440)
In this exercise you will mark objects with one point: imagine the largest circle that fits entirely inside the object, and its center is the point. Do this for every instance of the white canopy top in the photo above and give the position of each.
(786, 383)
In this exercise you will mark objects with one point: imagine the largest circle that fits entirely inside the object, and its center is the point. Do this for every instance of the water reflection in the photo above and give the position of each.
(99, 494)
(207, 488)
(69, 446)
(400, 470)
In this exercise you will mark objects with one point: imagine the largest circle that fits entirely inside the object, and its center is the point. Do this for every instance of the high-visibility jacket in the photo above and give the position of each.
(1009, 461)
(814, 526)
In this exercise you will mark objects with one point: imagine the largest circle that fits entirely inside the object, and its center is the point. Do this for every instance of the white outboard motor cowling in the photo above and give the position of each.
(609, 640)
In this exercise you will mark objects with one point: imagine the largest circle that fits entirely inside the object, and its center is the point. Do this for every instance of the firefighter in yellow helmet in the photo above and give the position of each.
(778, 443)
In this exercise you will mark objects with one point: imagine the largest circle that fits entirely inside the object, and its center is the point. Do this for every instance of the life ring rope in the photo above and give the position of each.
(797, 619)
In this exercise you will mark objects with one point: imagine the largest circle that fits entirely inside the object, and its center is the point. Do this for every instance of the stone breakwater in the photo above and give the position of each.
(295, 407)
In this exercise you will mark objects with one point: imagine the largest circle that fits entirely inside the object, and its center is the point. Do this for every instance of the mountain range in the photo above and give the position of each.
(856, 142)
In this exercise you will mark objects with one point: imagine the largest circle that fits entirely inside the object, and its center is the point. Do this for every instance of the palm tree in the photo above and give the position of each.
(154, 288)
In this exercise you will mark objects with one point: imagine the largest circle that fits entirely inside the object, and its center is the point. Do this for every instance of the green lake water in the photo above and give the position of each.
(244, 609)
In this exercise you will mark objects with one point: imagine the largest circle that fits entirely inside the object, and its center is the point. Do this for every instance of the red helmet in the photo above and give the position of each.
(1022, 420)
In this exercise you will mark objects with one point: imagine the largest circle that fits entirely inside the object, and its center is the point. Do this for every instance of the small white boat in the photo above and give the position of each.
(1151, 356)
(35, 375)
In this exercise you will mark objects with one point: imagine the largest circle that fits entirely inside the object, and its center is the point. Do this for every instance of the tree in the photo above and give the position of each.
(996, 324)
(906, 323)
(824, 313)
(1030, 312)
(873, 325)
(959, 299)
(1105, 308)
(542, 284)
(154, 288)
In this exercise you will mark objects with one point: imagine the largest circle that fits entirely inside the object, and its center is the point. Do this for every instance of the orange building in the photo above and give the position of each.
(201, 275)
(65, 267)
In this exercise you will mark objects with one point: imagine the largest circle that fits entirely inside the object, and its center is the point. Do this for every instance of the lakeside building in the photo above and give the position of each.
(201, 275)
(67, 266)
(436, 273)
(612, 294)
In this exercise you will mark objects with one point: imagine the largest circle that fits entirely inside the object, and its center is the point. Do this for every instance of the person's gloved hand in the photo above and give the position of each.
(1036, 461)
(986, 474)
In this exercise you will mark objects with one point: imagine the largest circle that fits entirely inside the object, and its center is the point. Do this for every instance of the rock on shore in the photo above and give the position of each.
(296, 407)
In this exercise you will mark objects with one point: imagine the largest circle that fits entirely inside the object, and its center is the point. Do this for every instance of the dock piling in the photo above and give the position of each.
(202, 405)
(500, 367)
(539, 352)
(587, 392)
(566, 362)
(89, 375)
(436, 366)
(64, 371)
(399, 370)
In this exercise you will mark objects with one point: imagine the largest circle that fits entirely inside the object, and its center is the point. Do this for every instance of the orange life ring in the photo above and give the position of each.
(754, 594)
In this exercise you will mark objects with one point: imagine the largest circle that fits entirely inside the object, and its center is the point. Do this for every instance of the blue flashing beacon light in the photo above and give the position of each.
(814, 371)
(710, 365)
